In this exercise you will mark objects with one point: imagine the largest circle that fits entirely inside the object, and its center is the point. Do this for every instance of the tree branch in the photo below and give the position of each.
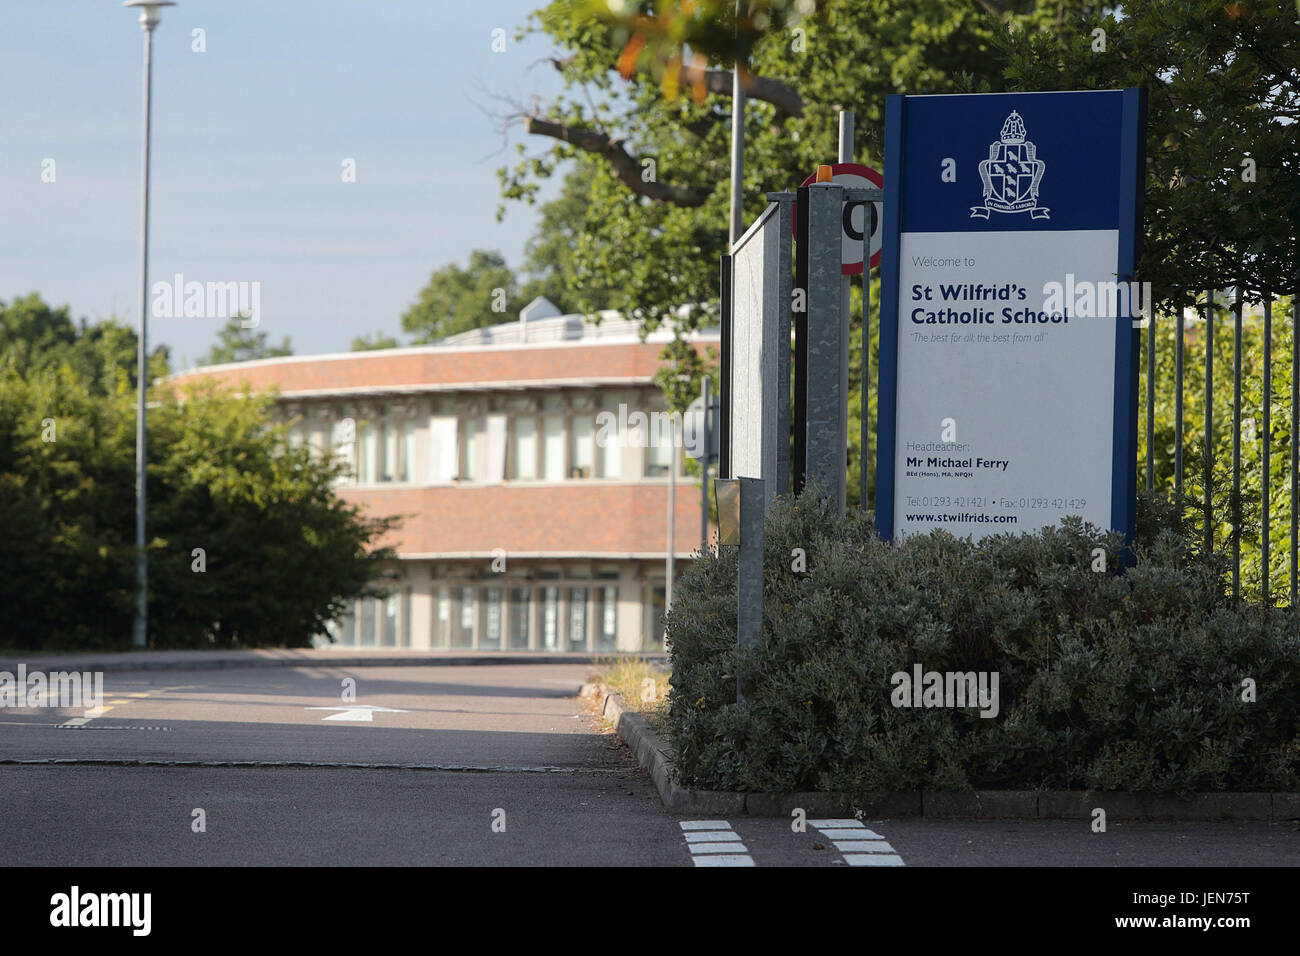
(784, 97)
(626, 167)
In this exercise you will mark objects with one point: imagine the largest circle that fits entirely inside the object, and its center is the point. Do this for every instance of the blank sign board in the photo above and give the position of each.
(759, 364)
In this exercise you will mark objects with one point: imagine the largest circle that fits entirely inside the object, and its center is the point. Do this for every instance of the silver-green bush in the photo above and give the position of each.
(1127, 680)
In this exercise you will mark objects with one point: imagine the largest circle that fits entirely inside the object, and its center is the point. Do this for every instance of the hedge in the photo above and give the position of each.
(1135, 679)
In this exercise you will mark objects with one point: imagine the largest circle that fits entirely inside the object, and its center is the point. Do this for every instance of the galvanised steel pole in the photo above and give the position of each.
(737, 150)
(704, 468)
(149, 15)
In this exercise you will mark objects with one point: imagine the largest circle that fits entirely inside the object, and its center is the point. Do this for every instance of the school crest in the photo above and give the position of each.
(1011, 174)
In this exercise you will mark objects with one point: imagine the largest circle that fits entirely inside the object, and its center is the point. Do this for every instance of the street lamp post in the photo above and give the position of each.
(150, 11)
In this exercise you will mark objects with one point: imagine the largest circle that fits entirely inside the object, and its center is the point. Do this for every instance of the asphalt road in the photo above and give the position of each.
(472, 765)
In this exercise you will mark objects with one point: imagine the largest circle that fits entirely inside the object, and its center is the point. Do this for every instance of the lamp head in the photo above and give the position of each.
(150, 11)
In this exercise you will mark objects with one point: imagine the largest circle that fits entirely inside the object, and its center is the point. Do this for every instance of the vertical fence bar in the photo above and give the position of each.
(1209, 421)
(865, 404)
(1267, 402)
(1151, 397)
(1295, 436)
(1178, 413)
(1236, 446)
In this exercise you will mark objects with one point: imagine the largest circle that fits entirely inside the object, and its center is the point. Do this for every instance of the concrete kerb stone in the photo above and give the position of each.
(655, 755)
(201, 660)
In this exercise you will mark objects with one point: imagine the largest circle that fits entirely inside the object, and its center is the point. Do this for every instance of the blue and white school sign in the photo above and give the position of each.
(1008, 389)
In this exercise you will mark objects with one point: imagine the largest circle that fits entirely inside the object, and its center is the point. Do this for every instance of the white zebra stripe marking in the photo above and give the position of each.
(714, 843)
(873, 859)
(858, 845)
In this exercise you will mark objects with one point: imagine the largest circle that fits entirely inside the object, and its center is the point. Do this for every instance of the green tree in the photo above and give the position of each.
(33, 335)
(282, 554)
(1223, 158)
(235, 343)
(561, 243)
(486, 292)
(375, 340)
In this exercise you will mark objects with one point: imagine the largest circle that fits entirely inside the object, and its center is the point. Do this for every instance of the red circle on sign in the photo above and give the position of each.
(844, 174)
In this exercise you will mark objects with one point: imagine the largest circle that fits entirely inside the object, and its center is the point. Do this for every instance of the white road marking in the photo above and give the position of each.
(863, 846)
(706, 836)
(723, 861)
(858, 845)
(846, 834)
(873, 859)
(362, 712)
(714, 843)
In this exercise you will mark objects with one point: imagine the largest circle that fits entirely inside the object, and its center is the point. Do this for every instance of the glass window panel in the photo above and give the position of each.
(369, 454)
(442, 440)
(468, 459)
(462, 631)
(345, 630)
(343, 439)
(388, 441)
(406, 430)
(550, 619)
(490, 639)
(578, 619)
(607, 623)
(367, 630)
(389, 636)
(523, 449)
(582, 447)
(520, 605)
(658, 452)
(658, 601)
(553, 447)
(441, 616)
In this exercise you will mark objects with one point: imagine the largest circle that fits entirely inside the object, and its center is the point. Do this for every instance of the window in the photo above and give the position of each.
(582, 446)
(367, 629)
(657, 603)
(462, 632)
(607, 622)
(578, 619)
(550, 636)
(344, 630)
(490, 639)
(468, 459)
(553, 447)
(520, 605)
(389, 636)
(523, 449)
(343, 440)
(408, 450)
(388, 452)
(369, 454)
(443, 449)
(610, 438)
(441, 616)
(659, 448)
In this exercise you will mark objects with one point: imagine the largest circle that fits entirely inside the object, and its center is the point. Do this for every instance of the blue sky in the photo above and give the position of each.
(248, 142)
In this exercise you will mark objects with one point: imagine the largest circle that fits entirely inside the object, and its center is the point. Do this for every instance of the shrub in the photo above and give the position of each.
(1124, 680)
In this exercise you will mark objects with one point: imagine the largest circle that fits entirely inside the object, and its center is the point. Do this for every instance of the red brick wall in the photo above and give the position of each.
(581, 517)
(498, 364)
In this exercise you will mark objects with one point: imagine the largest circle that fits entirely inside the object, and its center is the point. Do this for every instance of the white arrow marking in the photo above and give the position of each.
(362, 712)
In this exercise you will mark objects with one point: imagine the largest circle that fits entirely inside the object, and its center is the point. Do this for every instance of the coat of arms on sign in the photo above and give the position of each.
(1011, 174)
